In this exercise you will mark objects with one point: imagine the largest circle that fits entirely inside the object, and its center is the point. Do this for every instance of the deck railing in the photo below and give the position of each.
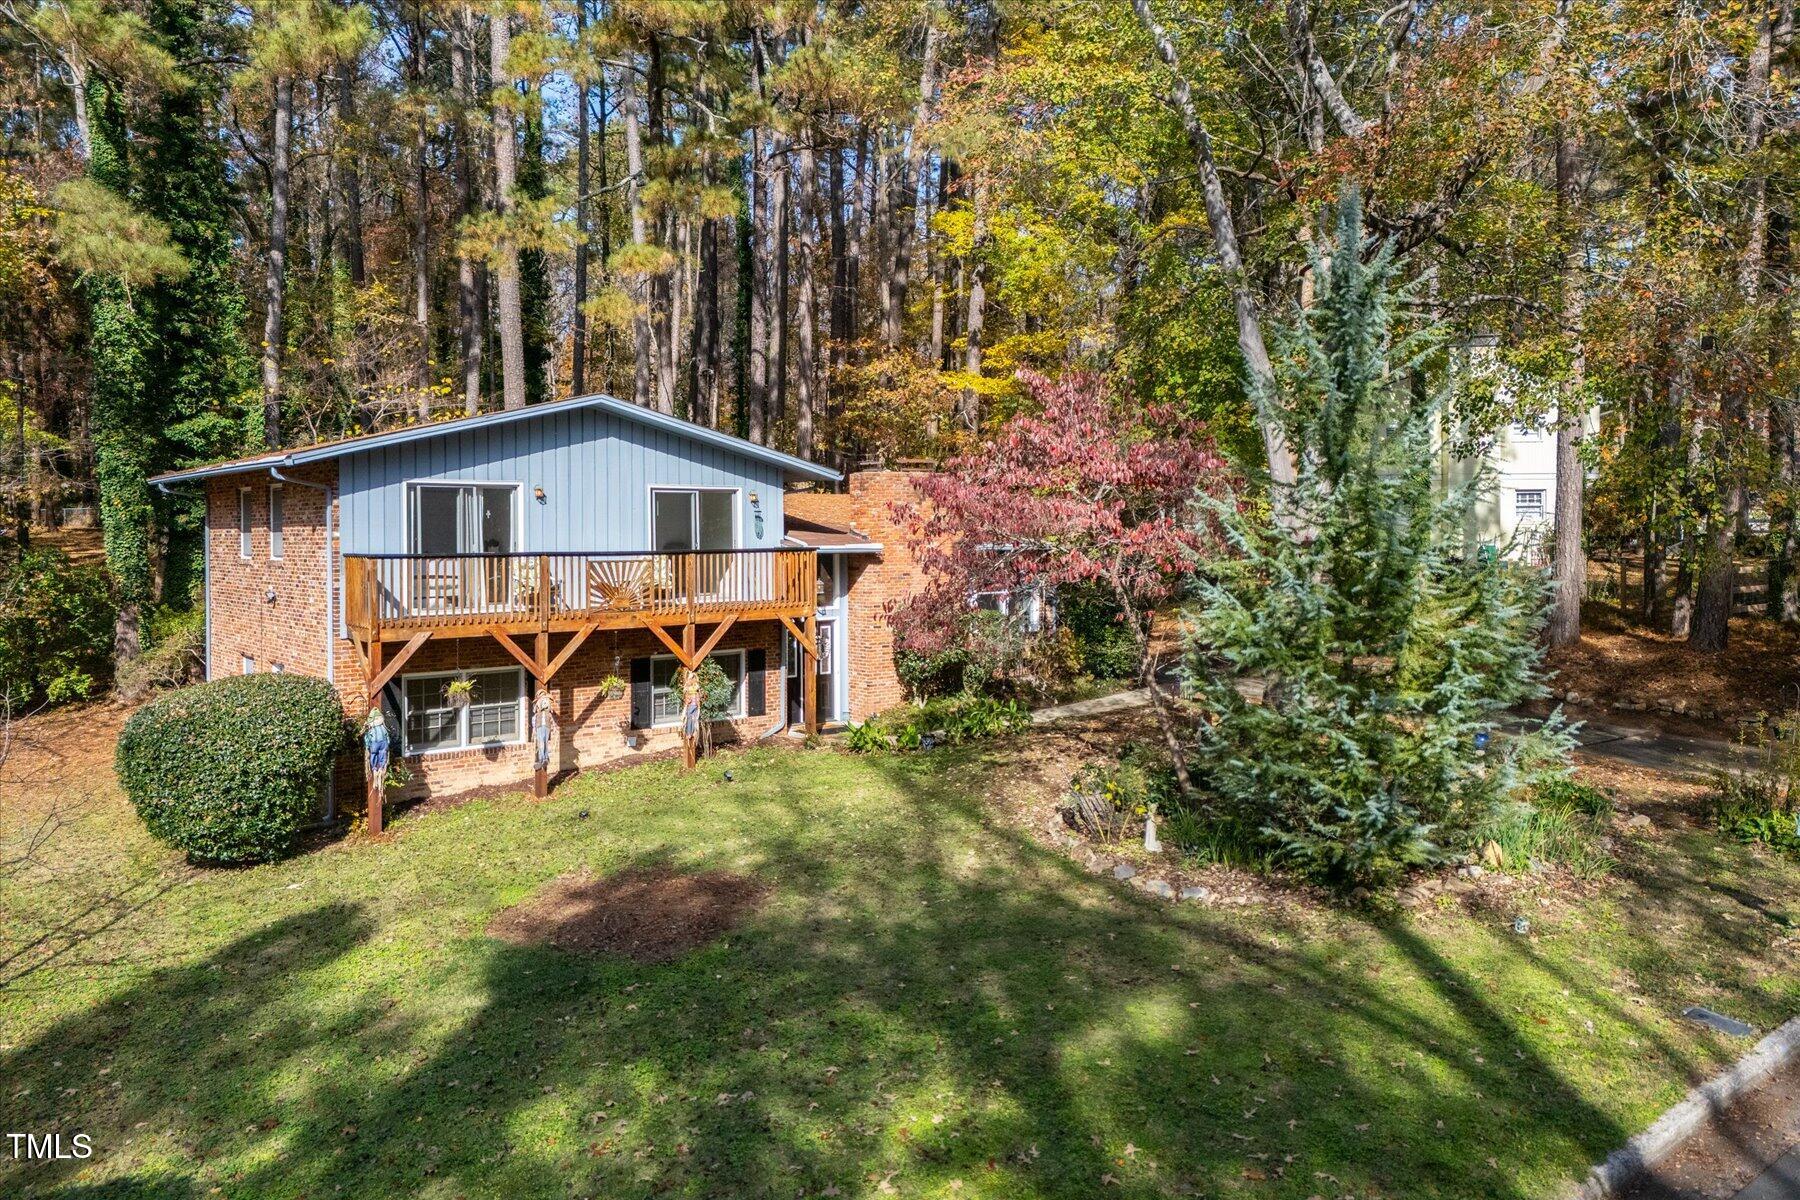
(417, 592)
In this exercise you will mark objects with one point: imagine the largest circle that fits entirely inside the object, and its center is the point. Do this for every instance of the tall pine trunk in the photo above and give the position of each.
(275, 266)
(421, 233)
(806, 316)
(908, 183)
(509, 297)
(578, 315)
(471, 298)
(640, 316)
(1712, 608)
(1570, 566)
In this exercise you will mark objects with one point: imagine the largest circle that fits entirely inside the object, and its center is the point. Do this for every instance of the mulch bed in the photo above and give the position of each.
(1655, 679)
(650, 914)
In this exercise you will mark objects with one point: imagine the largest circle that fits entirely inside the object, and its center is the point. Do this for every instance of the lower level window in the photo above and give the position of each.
(441, 714)
(665, 686)
(1528, 504)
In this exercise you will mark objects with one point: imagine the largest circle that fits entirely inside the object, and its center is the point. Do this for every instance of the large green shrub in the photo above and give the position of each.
(56, 628)
(230, 771)
(1106, 644)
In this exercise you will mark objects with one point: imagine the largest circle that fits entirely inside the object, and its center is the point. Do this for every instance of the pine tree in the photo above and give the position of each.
(1387, 653)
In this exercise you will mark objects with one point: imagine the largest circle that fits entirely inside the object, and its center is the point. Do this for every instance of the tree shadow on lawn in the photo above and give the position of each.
(933, 1000)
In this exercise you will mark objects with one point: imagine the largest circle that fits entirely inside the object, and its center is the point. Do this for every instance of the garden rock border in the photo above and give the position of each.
(1172, 886)
(1630, 1162)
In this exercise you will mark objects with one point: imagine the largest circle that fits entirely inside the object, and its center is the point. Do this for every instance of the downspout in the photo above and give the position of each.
(330, 616)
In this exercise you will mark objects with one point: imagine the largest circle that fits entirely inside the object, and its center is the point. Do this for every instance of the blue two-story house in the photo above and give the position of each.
(587, 548)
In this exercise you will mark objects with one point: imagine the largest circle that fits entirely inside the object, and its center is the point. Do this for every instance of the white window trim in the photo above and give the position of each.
(462, 720)
(412, 507)
(738, 712)
(737, 511)
(1538, 511)
(246, 526)
(277, 531)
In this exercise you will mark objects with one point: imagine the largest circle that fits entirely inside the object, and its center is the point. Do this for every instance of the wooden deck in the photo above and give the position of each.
(393, 596)
(410, 599)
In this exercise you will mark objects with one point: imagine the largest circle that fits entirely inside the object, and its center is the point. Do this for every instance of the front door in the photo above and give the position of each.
(796, 681)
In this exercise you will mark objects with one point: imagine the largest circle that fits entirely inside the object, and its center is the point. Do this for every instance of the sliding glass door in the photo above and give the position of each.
(451, 520)
(692, 519)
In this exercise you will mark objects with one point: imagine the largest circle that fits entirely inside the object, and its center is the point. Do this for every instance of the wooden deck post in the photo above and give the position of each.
(541, 777)
(690, 747)
(809, 672)
(377, 785)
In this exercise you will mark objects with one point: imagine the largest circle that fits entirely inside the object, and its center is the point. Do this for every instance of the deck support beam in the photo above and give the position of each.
(809, 672)
(377, 675)
(540, 780)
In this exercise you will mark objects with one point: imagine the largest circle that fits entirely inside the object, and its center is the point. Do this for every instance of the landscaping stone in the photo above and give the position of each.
(1124, 871)
(1472, 871)
(1639, 821)
(1196, 893)
(1156, 887)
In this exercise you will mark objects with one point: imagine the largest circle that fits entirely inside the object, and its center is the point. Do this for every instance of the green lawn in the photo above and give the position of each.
(928, 1004)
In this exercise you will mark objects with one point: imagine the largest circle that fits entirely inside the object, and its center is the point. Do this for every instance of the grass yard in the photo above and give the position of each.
(926, 1003)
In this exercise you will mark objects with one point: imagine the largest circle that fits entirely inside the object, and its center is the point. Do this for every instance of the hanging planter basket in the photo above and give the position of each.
(612, 687)
(459, 692)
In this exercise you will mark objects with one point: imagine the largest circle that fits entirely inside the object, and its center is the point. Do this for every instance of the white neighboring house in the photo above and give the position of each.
(1517, 512)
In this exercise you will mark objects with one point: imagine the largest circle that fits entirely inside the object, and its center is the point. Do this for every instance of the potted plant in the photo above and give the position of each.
(612, 687)
(459, 692)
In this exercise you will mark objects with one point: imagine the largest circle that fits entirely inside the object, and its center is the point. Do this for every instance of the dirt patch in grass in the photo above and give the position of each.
(650, 915)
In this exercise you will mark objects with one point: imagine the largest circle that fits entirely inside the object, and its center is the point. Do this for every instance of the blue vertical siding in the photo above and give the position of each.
(596, 470)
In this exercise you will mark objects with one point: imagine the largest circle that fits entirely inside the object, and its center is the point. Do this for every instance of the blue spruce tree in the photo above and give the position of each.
(1389, 645)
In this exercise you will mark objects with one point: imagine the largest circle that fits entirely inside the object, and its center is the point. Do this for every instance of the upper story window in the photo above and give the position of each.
(463, 518)
(277, 520)
(693, 519)
(1528, 504)
(243, 522)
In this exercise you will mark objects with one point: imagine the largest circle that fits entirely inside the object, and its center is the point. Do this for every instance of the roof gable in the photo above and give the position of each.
(302, 455)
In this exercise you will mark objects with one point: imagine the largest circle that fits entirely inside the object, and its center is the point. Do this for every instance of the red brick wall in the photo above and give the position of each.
(275, 610)
(589, 725)
(876, 582)
(278, 611)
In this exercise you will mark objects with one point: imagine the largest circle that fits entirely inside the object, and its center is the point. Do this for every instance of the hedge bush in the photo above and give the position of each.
(230, 771)
(56, 628)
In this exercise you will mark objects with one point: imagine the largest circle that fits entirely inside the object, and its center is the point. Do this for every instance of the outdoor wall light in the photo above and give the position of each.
(538, 492)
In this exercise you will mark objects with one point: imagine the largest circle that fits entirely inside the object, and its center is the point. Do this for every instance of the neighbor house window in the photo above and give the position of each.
(249, 665)
(1025, 604)
(243, 522)
(493, 715)
(277, 519)
(1528, 504)
(665, 686)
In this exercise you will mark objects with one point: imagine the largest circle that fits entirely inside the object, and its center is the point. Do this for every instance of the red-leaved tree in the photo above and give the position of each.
(1096, 490)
